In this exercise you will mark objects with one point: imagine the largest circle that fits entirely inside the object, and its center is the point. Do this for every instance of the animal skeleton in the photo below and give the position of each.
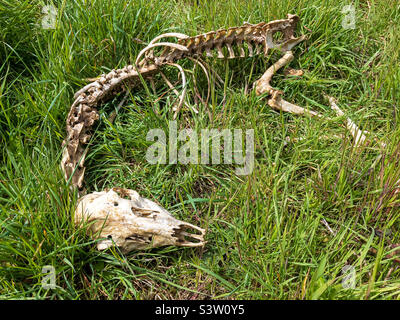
(120, 221)
(83, 112)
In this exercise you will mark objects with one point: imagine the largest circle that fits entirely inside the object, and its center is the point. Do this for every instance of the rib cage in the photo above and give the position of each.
(258, 38)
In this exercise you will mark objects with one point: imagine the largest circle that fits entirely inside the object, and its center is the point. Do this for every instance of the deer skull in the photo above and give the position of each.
(122, 217)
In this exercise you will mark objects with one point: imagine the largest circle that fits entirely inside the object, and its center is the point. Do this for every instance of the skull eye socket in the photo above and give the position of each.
(115, 204)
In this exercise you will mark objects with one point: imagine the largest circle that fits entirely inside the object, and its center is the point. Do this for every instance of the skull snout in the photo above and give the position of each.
(185, 238)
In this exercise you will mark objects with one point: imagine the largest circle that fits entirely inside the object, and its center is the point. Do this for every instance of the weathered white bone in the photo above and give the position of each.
(230, 50)
(169, 35)
(242, 53)
(360, 138)
(159, 44)
(122, 217)
(208, 52)
(198, 62)
(219, 50)
(182, 97)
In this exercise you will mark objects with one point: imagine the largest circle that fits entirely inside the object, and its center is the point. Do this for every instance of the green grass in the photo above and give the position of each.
(266, 233)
